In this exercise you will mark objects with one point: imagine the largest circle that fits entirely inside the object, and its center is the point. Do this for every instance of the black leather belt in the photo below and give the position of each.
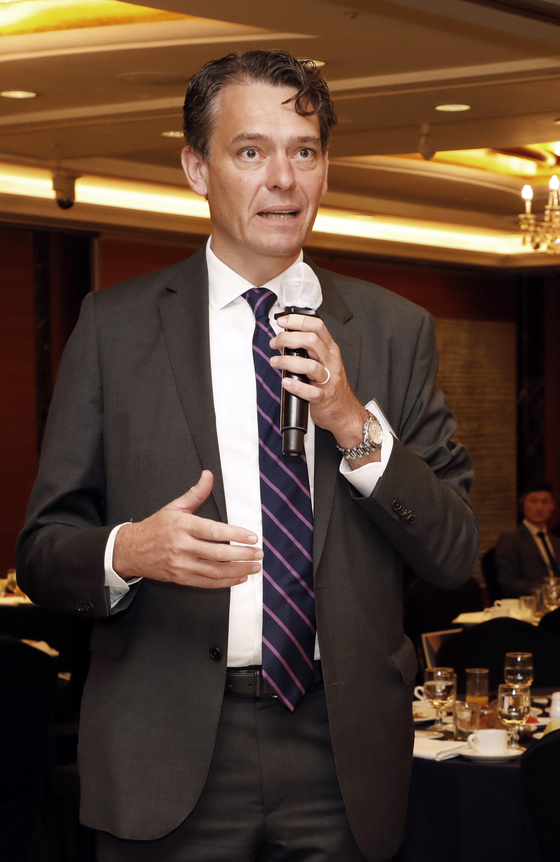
(249, 681)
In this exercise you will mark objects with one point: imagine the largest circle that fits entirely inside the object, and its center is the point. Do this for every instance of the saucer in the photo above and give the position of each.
(423, 712)
(477, 757)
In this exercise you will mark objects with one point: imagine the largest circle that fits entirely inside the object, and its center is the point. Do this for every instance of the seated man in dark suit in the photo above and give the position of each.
(530, 555)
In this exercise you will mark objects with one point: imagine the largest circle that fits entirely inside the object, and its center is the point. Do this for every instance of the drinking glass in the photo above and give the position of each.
(11, 582)
(518, 668)
(439, 689)
(551, 594)
(514, 708)
(477, 685)
(527, 607)
(466, 718)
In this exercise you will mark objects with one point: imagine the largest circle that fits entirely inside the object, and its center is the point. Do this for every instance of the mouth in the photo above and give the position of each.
(279, 214)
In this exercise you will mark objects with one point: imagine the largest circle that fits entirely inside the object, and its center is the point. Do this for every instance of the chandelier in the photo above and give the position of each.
(542, 235)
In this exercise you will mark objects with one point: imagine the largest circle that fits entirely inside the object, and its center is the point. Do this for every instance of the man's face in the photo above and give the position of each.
(538, 506)
(264, 180)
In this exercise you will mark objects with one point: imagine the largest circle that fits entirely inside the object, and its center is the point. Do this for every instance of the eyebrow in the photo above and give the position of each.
(257, 136)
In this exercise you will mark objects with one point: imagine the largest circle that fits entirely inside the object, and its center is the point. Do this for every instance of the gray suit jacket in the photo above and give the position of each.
(130, 428)
(519, 562)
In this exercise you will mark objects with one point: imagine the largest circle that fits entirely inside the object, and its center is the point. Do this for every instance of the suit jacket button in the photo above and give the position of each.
(215, 653)
(397, 505)
(85, 608)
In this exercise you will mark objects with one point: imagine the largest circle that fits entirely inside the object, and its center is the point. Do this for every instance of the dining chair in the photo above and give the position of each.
(540, 768)
(486, 644)
(27, 754)
(490, 573)
(551, 622)
(430, 608)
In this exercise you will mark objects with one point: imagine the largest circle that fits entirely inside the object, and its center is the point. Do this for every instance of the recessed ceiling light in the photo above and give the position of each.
(557, 122)
(18, 94)
(451, 109)
(172, 134)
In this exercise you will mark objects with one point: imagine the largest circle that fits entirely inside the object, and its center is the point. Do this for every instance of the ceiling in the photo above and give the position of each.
(107, 93)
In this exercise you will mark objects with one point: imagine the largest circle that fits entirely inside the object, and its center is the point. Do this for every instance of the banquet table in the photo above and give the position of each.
(67, 634)
(462, 811)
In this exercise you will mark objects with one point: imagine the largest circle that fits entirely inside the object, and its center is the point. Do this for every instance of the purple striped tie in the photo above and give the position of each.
(288, 639)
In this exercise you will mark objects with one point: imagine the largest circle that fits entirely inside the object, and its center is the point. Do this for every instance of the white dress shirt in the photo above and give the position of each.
(231, 327)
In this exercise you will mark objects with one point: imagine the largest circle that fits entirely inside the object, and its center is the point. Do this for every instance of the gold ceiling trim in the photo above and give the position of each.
(23, 17)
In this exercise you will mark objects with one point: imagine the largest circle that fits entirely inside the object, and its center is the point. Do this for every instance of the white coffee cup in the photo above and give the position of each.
(419, 692)
(489, 741)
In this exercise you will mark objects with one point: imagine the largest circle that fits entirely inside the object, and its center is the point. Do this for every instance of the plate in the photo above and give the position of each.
(423, 712)
(492, 758)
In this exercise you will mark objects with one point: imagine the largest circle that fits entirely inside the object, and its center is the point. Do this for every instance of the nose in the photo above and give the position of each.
(281, 174)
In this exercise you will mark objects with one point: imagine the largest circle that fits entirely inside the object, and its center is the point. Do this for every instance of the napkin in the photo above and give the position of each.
(437, 749)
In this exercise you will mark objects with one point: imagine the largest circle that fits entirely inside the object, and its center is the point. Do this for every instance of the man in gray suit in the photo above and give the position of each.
(189, 750)
(530, 555)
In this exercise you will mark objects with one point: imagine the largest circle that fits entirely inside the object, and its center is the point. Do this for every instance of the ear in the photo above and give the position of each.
(196, 171)
(326, 179)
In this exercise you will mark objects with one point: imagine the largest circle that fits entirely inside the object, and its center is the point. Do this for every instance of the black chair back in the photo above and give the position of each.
(27, 685)
(485, 645)
(551, 622)
(430, 608)
(540, 768)
(490, 572)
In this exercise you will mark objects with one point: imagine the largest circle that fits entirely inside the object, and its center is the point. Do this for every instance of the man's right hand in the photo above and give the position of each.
(176, 545)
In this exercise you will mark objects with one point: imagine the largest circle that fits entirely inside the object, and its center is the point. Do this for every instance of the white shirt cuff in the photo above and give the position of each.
(117, 587)
(365, 478)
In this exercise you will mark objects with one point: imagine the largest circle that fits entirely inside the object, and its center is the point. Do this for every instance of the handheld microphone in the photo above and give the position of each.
(301, 294)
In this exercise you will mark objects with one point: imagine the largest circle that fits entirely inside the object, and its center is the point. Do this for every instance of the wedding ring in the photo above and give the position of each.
(328, 377)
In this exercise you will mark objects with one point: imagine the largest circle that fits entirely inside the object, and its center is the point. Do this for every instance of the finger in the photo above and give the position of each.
(302, 323)
(219, 572)
(216, 531)
(310, 393)
(318, 345)
(195, 496)
(313, 370)
(221, 552)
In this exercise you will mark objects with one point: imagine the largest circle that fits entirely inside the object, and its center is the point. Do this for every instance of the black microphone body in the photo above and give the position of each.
(295, 410)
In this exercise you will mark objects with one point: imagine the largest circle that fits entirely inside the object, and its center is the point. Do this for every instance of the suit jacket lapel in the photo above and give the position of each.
(184, 318)
(336, 315)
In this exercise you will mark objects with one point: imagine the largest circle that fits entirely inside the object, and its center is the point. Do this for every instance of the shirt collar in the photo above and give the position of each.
(225, 285)
(533, 529)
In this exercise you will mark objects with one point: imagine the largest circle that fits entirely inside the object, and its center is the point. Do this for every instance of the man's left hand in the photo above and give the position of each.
(332, 402)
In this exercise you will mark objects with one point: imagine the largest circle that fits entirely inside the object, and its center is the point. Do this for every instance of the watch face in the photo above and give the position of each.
(375, 433)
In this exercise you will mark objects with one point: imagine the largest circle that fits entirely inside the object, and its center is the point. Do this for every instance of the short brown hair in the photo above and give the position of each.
(278, 68)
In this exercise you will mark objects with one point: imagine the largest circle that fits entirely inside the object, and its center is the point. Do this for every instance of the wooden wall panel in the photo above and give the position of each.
(552, 386)
(478, 375)
(448, 292)
(18, 446)
(121, 259)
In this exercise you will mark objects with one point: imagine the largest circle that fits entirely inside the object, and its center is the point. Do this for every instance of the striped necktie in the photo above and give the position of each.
(288, 638)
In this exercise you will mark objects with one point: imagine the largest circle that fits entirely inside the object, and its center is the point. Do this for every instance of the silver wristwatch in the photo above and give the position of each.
(373, 438)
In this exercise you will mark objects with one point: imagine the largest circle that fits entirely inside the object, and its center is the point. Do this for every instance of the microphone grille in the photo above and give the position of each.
(301, 288)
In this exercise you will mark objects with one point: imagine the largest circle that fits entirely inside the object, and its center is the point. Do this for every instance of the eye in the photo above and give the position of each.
(250, 153)
(305, 153)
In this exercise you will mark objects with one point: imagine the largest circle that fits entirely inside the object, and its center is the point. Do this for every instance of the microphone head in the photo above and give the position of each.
(300, 288)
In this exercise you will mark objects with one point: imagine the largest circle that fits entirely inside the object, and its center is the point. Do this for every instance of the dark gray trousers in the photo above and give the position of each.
(272, 794)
